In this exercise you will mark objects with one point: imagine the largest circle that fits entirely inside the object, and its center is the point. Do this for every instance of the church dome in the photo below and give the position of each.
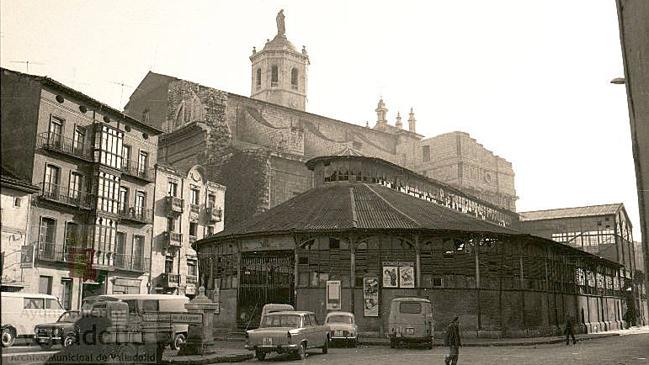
(279, 43)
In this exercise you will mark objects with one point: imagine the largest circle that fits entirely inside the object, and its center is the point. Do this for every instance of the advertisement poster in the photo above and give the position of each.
(406, 275)
(371, 296)
(333, 295)
(27, 256)
(390, 275)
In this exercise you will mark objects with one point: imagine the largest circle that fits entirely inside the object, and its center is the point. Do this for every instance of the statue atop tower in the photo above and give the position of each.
(281, 26)
(279, 71)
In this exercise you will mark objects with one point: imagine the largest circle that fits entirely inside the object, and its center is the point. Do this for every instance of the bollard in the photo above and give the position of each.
(200, 339)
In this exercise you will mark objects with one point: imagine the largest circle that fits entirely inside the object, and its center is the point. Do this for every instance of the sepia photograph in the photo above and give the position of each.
(343, 182)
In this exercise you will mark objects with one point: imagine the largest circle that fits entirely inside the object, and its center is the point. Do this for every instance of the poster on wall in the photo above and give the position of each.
(390, 275)
(406, 275)
(333, 295)
(27, 256)
(371, 296)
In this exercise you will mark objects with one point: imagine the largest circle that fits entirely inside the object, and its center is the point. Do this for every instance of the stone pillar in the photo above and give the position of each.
(200, 340)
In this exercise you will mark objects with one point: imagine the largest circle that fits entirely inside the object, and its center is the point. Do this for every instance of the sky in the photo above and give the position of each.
(530, 80)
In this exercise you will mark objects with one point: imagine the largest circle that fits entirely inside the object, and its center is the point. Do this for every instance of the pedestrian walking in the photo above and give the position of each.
(568, 331)
(452, 340)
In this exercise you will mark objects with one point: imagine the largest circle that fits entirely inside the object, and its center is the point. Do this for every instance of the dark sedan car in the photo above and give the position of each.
(61, 332)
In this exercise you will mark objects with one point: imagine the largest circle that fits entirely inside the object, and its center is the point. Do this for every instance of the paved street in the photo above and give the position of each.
(628, 349)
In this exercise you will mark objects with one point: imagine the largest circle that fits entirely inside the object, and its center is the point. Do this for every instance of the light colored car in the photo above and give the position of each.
(342, 327)
(288, 332)
(21, 312)
(272, 308)
(411, 321)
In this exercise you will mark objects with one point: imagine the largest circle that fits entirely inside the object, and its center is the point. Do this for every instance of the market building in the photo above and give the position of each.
(370, 230)
(604, 230)
(91, 220)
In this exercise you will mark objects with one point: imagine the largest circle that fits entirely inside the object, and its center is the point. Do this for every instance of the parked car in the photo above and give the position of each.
(342, 327)
(274, 307)
(21, 312)
(148, 303)
(410, 320)
(288, 332)
(60, 332)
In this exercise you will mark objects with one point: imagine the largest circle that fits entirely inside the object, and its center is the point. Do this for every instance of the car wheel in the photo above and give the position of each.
(8, 337)
(179, 340)
(301, 351)
(260, 355)
(325, 348)
(69, 340)
(393, 343)
(46, 345)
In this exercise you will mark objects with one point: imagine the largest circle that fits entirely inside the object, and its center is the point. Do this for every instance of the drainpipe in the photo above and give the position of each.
(155, 188)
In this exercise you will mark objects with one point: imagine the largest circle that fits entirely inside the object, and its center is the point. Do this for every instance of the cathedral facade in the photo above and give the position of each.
(257, 145)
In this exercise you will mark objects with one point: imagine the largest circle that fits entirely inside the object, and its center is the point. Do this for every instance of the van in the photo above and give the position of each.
(411, 320)
(273, 307)
(21, 312)
(148, 303)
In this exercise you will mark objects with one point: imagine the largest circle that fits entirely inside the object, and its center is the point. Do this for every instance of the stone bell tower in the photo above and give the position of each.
(279, 72)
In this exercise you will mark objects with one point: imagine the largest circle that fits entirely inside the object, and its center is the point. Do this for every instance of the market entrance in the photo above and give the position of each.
(266, 277)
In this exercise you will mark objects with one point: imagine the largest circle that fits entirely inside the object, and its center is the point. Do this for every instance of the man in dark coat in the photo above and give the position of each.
(452, 340)
(568, 331)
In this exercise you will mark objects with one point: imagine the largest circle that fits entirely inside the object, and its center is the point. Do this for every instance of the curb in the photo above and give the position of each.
(513, 342)
(208, 359)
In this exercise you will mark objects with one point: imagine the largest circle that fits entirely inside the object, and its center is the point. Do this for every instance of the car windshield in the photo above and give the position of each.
(281, 320)
(340, 319)
(69, 317)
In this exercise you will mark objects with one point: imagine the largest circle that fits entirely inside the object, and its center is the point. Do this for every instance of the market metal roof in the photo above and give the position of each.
(576, 212)
(348, 206)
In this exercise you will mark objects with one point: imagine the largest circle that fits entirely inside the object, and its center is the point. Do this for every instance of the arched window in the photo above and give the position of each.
(258, 78)
(294, 73)
(274, 76)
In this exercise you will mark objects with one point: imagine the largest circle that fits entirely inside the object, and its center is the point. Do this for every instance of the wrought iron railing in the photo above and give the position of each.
(174, 239)
(68, 146)
(133, 168)
(192, 279)
(136, 214)
(59, 194)
(174, 204)
(131, 262)
(169, 280)
(214, 214)
(58, 252)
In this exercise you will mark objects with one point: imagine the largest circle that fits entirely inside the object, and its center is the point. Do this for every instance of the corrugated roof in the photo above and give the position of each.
(588, 211)
(346, 206)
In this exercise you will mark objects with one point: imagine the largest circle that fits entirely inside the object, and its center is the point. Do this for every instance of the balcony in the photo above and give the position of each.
(192, 239)
(47, 251)
(173, 239)
(57, 194)
(66, 146)
(174, 205)
(194, 211)
(192, 279)
(214, 214)
(136, 214)
(133, 169)
(135, 263)
(169, 280)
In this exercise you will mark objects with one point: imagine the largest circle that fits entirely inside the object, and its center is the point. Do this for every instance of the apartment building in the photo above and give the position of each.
(188, 207)
(91, 222)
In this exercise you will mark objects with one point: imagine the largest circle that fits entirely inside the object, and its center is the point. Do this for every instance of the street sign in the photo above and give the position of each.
(171, 317)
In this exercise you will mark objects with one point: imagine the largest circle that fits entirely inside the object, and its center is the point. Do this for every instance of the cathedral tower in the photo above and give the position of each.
(279, 71)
